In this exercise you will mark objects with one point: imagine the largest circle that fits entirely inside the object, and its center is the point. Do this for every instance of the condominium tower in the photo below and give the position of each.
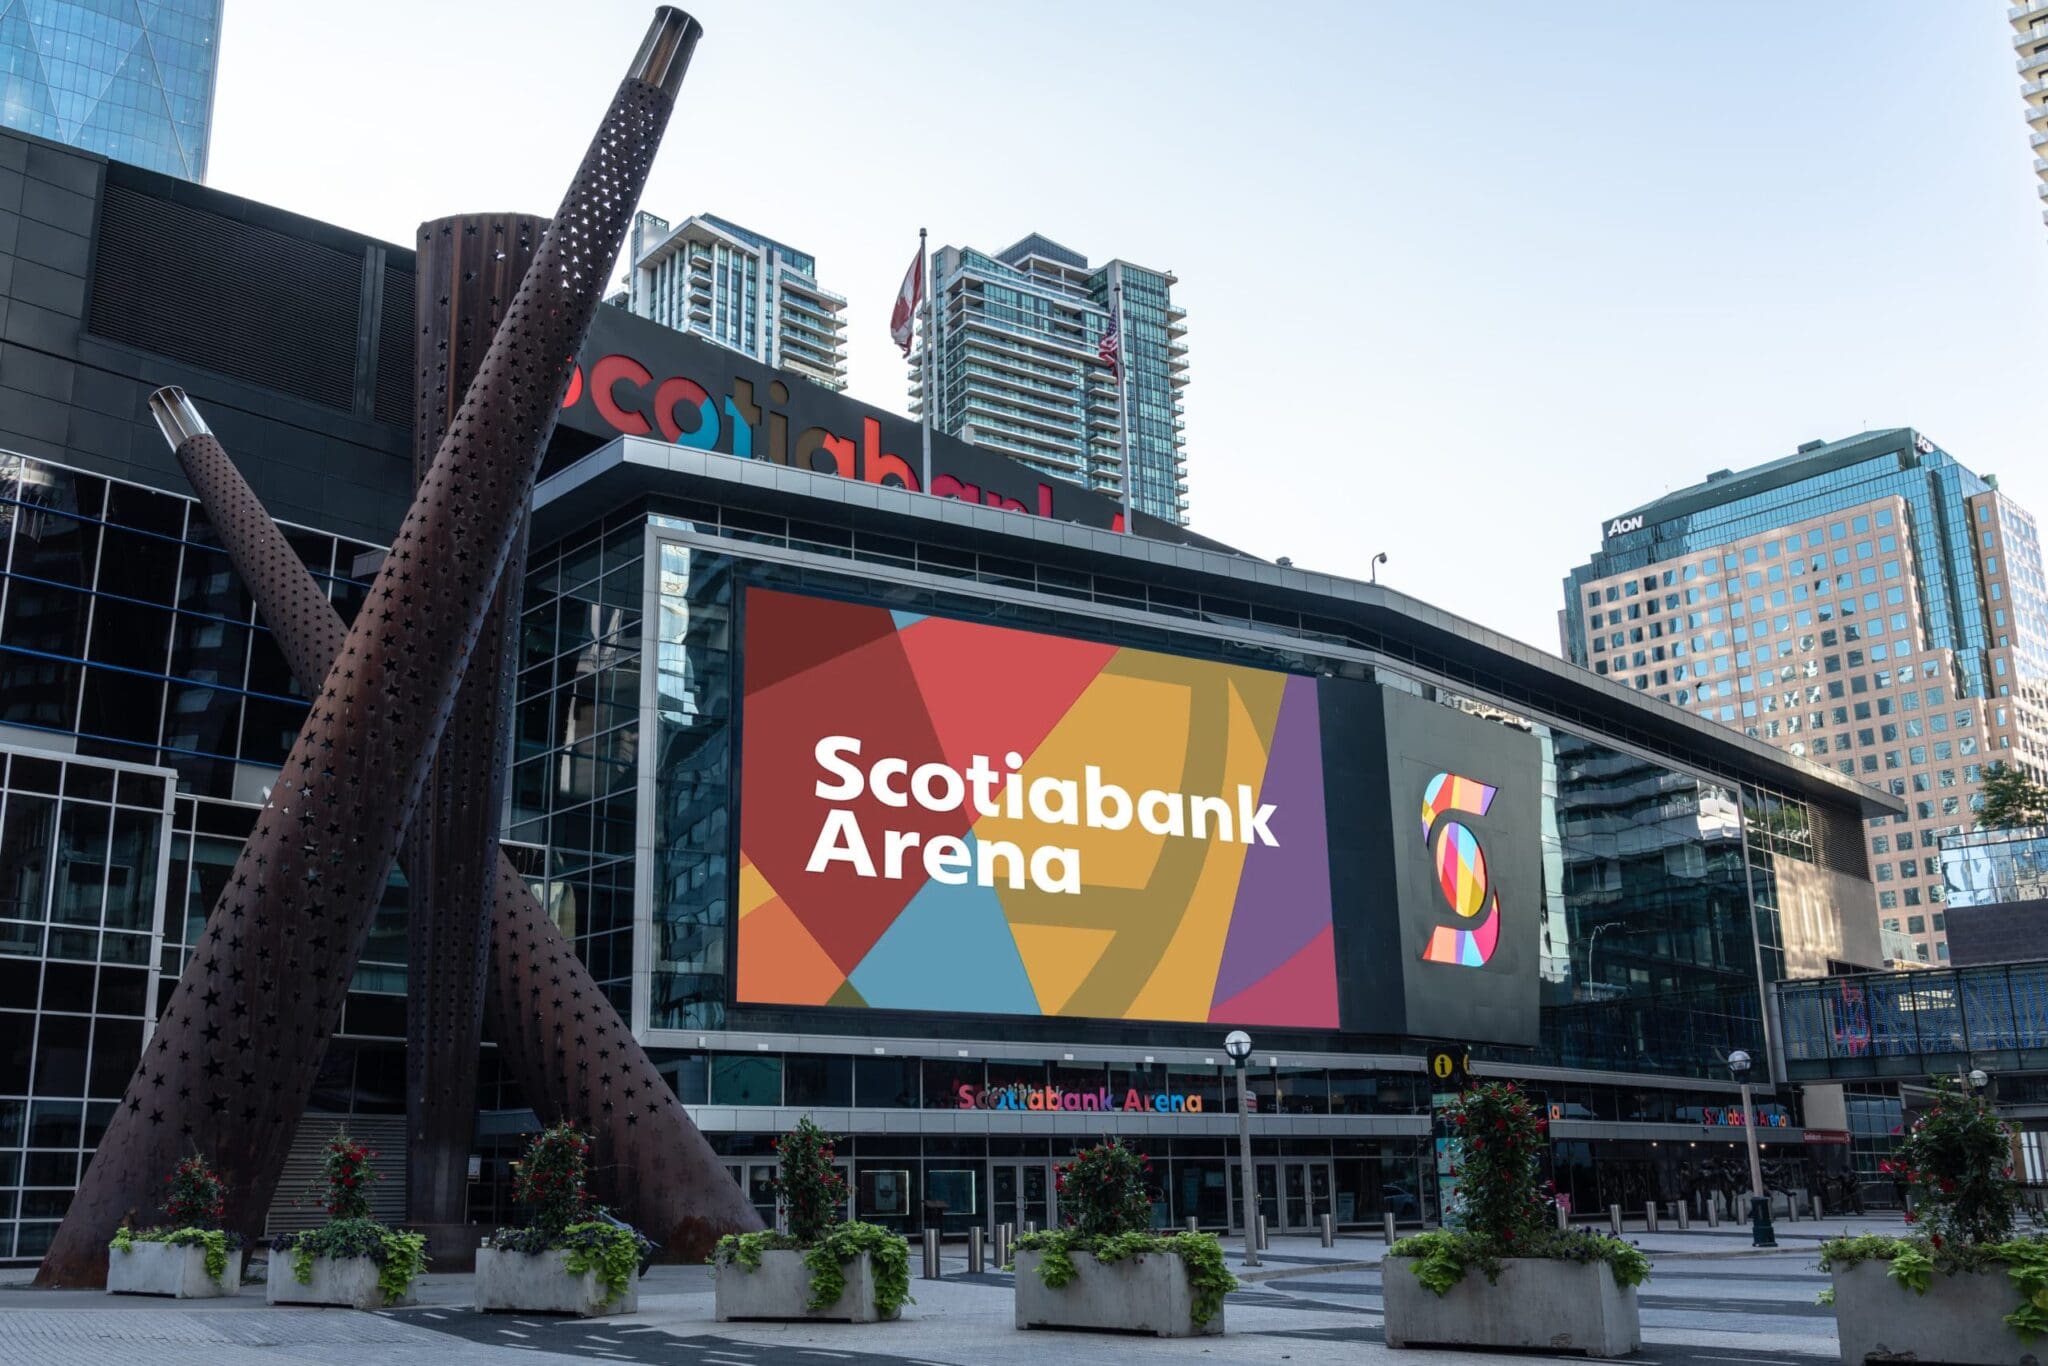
(129, 81)
(742, 290)
(1870, 603)
(2030, 42)
(1019, 368)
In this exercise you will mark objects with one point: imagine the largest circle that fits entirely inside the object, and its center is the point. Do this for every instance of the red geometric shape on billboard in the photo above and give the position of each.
(989, 690)
(794, 635)
(1301, 992)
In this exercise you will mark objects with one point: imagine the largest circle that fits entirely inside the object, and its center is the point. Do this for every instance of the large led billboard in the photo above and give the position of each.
(947, 815)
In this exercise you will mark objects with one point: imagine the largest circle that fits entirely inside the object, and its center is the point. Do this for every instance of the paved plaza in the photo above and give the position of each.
(1713, 1301)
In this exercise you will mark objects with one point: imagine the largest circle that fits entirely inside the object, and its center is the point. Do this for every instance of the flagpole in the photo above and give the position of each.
(924, 368)
(1123, 406)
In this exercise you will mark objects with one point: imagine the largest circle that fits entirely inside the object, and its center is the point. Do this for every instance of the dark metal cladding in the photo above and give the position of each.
(572, 1055)
(467, 271)
(231, 1062)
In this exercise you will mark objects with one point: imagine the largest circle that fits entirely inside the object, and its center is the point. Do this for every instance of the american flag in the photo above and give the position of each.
(1112, 348)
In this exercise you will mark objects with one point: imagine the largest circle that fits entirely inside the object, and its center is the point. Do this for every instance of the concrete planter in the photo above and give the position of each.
(1960, 1318)
(781, 1289)
(541, 1283)
(1148, 1294)
(179, 1272)
(346, 1281)
(1558, 1306)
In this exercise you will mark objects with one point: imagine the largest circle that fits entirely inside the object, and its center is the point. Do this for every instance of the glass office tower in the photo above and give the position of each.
(129, 81)
(1870, 603)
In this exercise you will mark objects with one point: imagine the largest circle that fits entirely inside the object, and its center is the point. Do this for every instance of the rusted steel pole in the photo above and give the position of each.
(465, 275)
(229, 1066)
(572, 1055)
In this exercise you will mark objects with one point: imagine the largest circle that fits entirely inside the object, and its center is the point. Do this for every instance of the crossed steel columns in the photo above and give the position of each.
(233, 1059)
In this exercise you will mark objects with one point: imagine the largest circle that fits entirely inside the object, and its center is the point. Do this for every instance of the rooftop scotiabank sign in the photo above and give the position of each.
(635, 377)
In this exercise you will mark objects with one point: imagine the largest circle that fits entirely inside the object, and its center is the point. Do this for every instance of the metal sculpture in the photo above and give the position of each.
(235, 1054)
(572, 1055)
(465, 273)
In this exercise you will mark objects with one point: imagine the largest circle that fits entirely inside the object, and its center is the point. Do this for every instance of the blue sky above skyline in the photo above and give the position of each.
(1462, 281)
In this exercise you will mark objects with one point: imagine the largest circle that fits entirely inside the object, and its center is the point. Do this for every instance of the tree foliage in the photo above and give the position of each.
(2012, 799)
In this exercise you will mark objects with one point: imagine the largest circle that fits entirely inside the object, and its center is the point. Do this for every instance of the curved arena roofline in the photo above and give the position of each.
(1401, 629)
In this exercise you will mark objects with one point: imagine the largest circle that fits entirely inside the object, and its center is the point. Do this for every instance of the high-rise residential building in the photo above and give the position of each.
(1870, 603)
(2030, 41)
(742, 290)
(127, 80)
(1019, 368)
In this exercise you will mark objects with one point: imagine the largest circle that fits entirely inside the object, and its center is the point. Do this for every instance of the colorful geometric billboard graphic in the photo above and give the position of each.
(941, 815)
(1460, 871)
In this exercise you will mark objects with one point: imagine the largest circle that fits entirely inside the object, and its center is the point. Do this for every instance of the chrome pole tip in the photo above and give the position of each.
(664, 55)
(176, 416)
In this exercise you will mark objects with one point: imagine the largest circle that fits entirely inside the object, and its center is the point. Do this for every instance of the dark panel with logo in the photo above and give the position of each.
(1465, 818)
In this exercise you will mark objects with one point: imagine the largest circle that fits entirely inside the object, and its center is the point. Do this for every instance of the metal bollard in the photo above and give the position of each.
(1006, 1234)
(931, 1254)
(1262, 1233)
(1684, 1217)
(1390, 1228)
(1614, 1220)
(1031, 1226)
(1649, 1216)
(1194, 1224)
(1792, 1206)
(1329, 1222)
(1713, 1213)
(975, 1262)
(1564, 1220)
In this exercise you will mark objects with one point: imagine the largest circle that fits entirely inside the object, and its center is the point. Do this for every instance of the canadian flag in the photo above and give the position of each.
(908, 300)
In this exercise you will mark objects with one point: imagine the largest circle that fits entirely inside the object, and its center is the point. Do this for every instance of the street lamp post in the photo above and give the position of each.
(1238, 1045)
(1759, 1203)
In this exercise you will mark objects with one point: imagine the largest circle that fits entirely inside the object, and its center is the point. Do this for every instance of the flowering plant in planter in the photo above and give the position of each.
(1506, 1212)
(552, 1178)
(1957, 1161)
(194, 1205)
(1107, 1214)
(347, 1173)
(811, 1194)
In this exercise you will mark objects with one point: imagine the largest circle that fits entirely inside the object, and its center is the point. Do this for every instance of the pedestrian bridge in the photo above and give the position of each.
(1915, 1023)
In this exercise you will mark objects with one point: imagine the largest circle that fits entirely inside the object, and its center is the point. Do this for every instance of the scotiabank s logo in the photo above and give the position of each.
(1461, 874)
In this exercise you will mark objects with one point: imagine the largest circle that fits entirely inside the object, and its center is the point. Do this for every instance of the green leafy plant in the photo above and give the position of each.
(1200, 1253)
(345, 1167)
(611, 1251)
(400, 1258)
(1957, 1158)
(811, 1192)
(1914, 1262)
(1506, 1211)
(553, 1177)
(826, 1258)
(217, 1242)
(1102, 1191)
(2011, 799)
(197, 1197)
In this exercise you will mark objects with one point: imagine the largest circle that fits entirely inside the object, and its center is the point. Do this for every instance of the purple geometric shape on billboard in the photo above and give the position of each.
(1287, 886)
(230, 1065)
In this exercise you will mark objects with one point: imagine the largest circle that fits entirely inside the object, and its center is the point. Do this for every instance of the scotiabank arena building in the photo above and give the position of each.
(967, 822)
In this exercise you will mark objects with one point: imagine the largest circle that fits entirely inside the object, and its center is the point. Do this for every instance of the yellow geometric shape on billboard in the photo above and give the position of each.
(754, 888)
(1057, 959)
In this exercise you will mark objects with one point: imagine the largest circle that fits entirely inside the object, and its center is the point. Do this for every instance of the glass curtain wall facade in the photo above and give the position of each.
(127, 80)
(143, 713)
(1996, 867)
(1872, 604)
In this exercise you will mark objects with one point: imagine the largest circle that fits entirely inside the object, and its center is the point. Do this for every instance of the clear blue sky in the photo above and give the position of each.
(1462, 279)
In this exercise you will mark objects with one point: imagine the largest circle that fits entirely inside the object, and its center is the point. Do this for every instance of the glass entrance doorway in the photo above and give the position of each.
(1294, 1194)
(1021, 1194)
